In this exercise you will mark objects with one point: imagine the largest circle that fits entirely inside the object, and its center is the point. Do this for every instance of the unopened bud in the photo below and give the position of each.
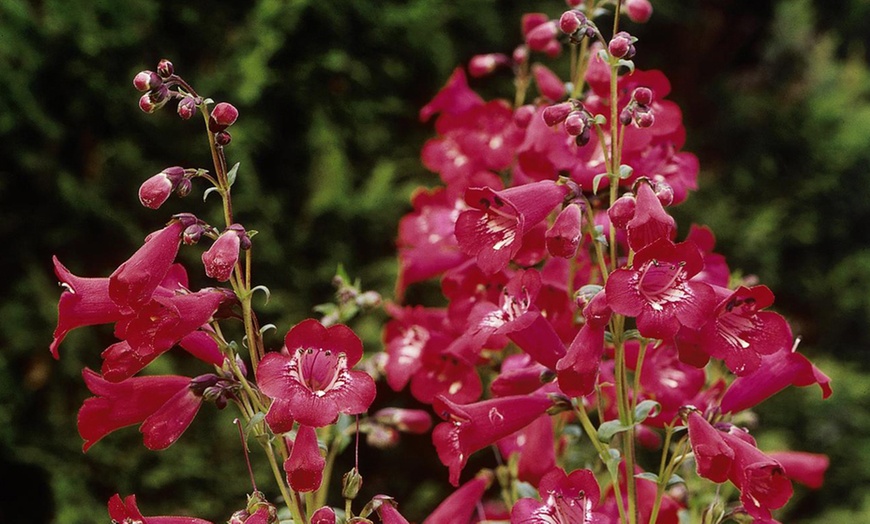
(146, 80)
(155, 191)
(622, 211)
(192, 234)
(222, 116)
(160, 95)
(482, 65)
(638, 10)
(541, 36)
(563, 238)
(557, 113)
(553, 48)
(407, 420)
(223, 138)
(583, 138)
(523, 115)
(381, 437)
(626, 116)
(148, 105)
(665, 193)
(569, 22)
(644, 119)
(620, 44)
(520, 55)
(351, 483)
(186, 108)
(221, 257)
(643, 96)
(324, 515)
(575, 123)
(165, 68)
(369, 299)
(573, 3)
(184, 187)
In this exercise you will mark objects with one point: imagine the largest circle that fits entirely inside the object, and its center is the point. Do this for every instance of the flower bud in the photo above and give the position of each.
(222, 116)
(620, 45)
(146, 80)
(664, 192)
(520, 55)
(482, 65)
(382, 437)
(575, 123)
(625, 116)
(622, 211)
(408, 420)
(643, 96)
(221, 257)
(557, 113)
(644, 118)
(573, 3)
(523, 115)
(563, 238)
(569, 22)
(583, 138)
(160, 95)
(165, 68)
(553, 48)
(638, 10)
(223, 138)
(186, 108)
(541, 36)
(148, 105)
(156, 190)
(183, 188)
(192, 234)
(351, 483)
(324, 515)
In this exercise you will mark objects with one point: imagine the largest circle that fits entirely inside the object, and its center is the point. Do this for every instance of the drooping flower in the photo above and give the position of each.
(578, 369)
(313, 382)
(492, 230)
(386, 508)
(126, 511)
(658, 290)
(461, 505)
(220, 259)
(472, 427)
(563, 237)
(800, 466)
(165, 405)
(305, 465)
(650, 221)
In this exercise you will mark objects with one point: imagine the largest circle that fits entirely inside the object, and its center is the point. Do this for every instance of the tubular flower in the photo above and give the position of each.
(313, 383)
(127, 512)
(305, 465)
(461, 505)
(565, 499)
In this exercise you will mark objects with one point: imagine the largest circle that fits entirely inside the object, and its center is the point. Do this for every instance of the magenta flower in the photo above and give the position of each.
(492, 231)
(127, 512)
(165, 405)
(220, 259)
(133, 283)
(659, 291)
(578, 369)
(650, 221)
(462, 504)
(565, 499)
(806, 468)
(324, 515)
(313, 383)
(454, 98)
(472, 427)
(386, 508)
(156, 190)
(564, 236)
(405, 420)
(83, 302)
(713, 456)
(534, 447)
(739, 333)
(305, 465)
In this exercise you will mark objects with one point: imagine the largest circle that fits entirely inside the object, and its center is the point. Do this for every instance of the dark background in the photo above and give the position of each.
(776, 100)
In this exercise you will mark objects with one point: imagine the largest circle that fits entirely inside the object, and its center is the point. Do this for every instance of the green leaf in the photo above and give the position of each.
(625, 171)
(612, 463)
(675, 479)
(599, 119)
(610, 428)
(597, 181)
(231, 175)
(208, 192)
(645, 409)
(648, 475)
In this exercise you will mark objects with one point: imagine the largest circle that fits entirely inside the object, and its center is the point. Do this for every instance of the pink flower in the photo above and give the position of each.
(739, 333)
(639, 10)
(133, 283)
(156, 190)
(406, 420)
(550, 85)
(324, 515)
(650, 221)
(127, 512)
(461, 505)
(305, 465)
(564, 237)
(565, 499)
(806, 468)
(455, 97)
(578, 369)
(220, 259)
(534, 447)
(472, 427)
(165, 405)
(83, 302)
(660, 292)
(386, 508)
(493, 229)
(313, 383)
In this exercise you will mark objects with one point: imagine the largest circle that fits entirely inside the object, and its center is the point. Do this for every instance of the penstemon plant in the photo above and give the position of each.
(608, 366)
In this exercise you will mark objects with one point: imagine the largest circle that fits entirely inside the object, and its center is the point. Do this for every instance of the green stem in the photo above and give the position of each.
(592, 433)
(291, 498)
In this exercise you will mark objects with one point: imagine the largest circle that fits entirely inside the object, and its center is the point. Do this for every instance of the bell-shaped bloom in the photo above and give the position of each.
(563, 237)
(454, 98)
(387, 511)
(807, 468)
(492, 230)
(519, 375)
(83, 302)
(461, 505)
(134, 282)
(713, 456)
(305, 465)
(220, 259)
(650, 221)
(324, 515)
(126, 511)
(313, 383)
(165, 405)
(658, 290)
(156, 190)
(411, 331)
(565, 499)
(715, 272)
(740, 333)
(472, 427)
(549, 84)
(776, 372)
(155, 327)
(670, 382)
(762, 480)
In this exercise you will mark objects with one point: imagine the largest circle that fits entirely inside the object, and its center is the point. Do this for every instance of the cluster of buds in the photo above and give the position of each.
(215, 388)
(258, 511)
(222, 116)
(156, 87)
(639, 109)
(575, 24)
(156, 190)
(577, 120)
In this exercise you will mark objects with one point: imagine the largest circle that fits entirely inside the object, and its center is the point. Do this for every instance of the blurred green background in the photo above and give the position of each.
(776, 100)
